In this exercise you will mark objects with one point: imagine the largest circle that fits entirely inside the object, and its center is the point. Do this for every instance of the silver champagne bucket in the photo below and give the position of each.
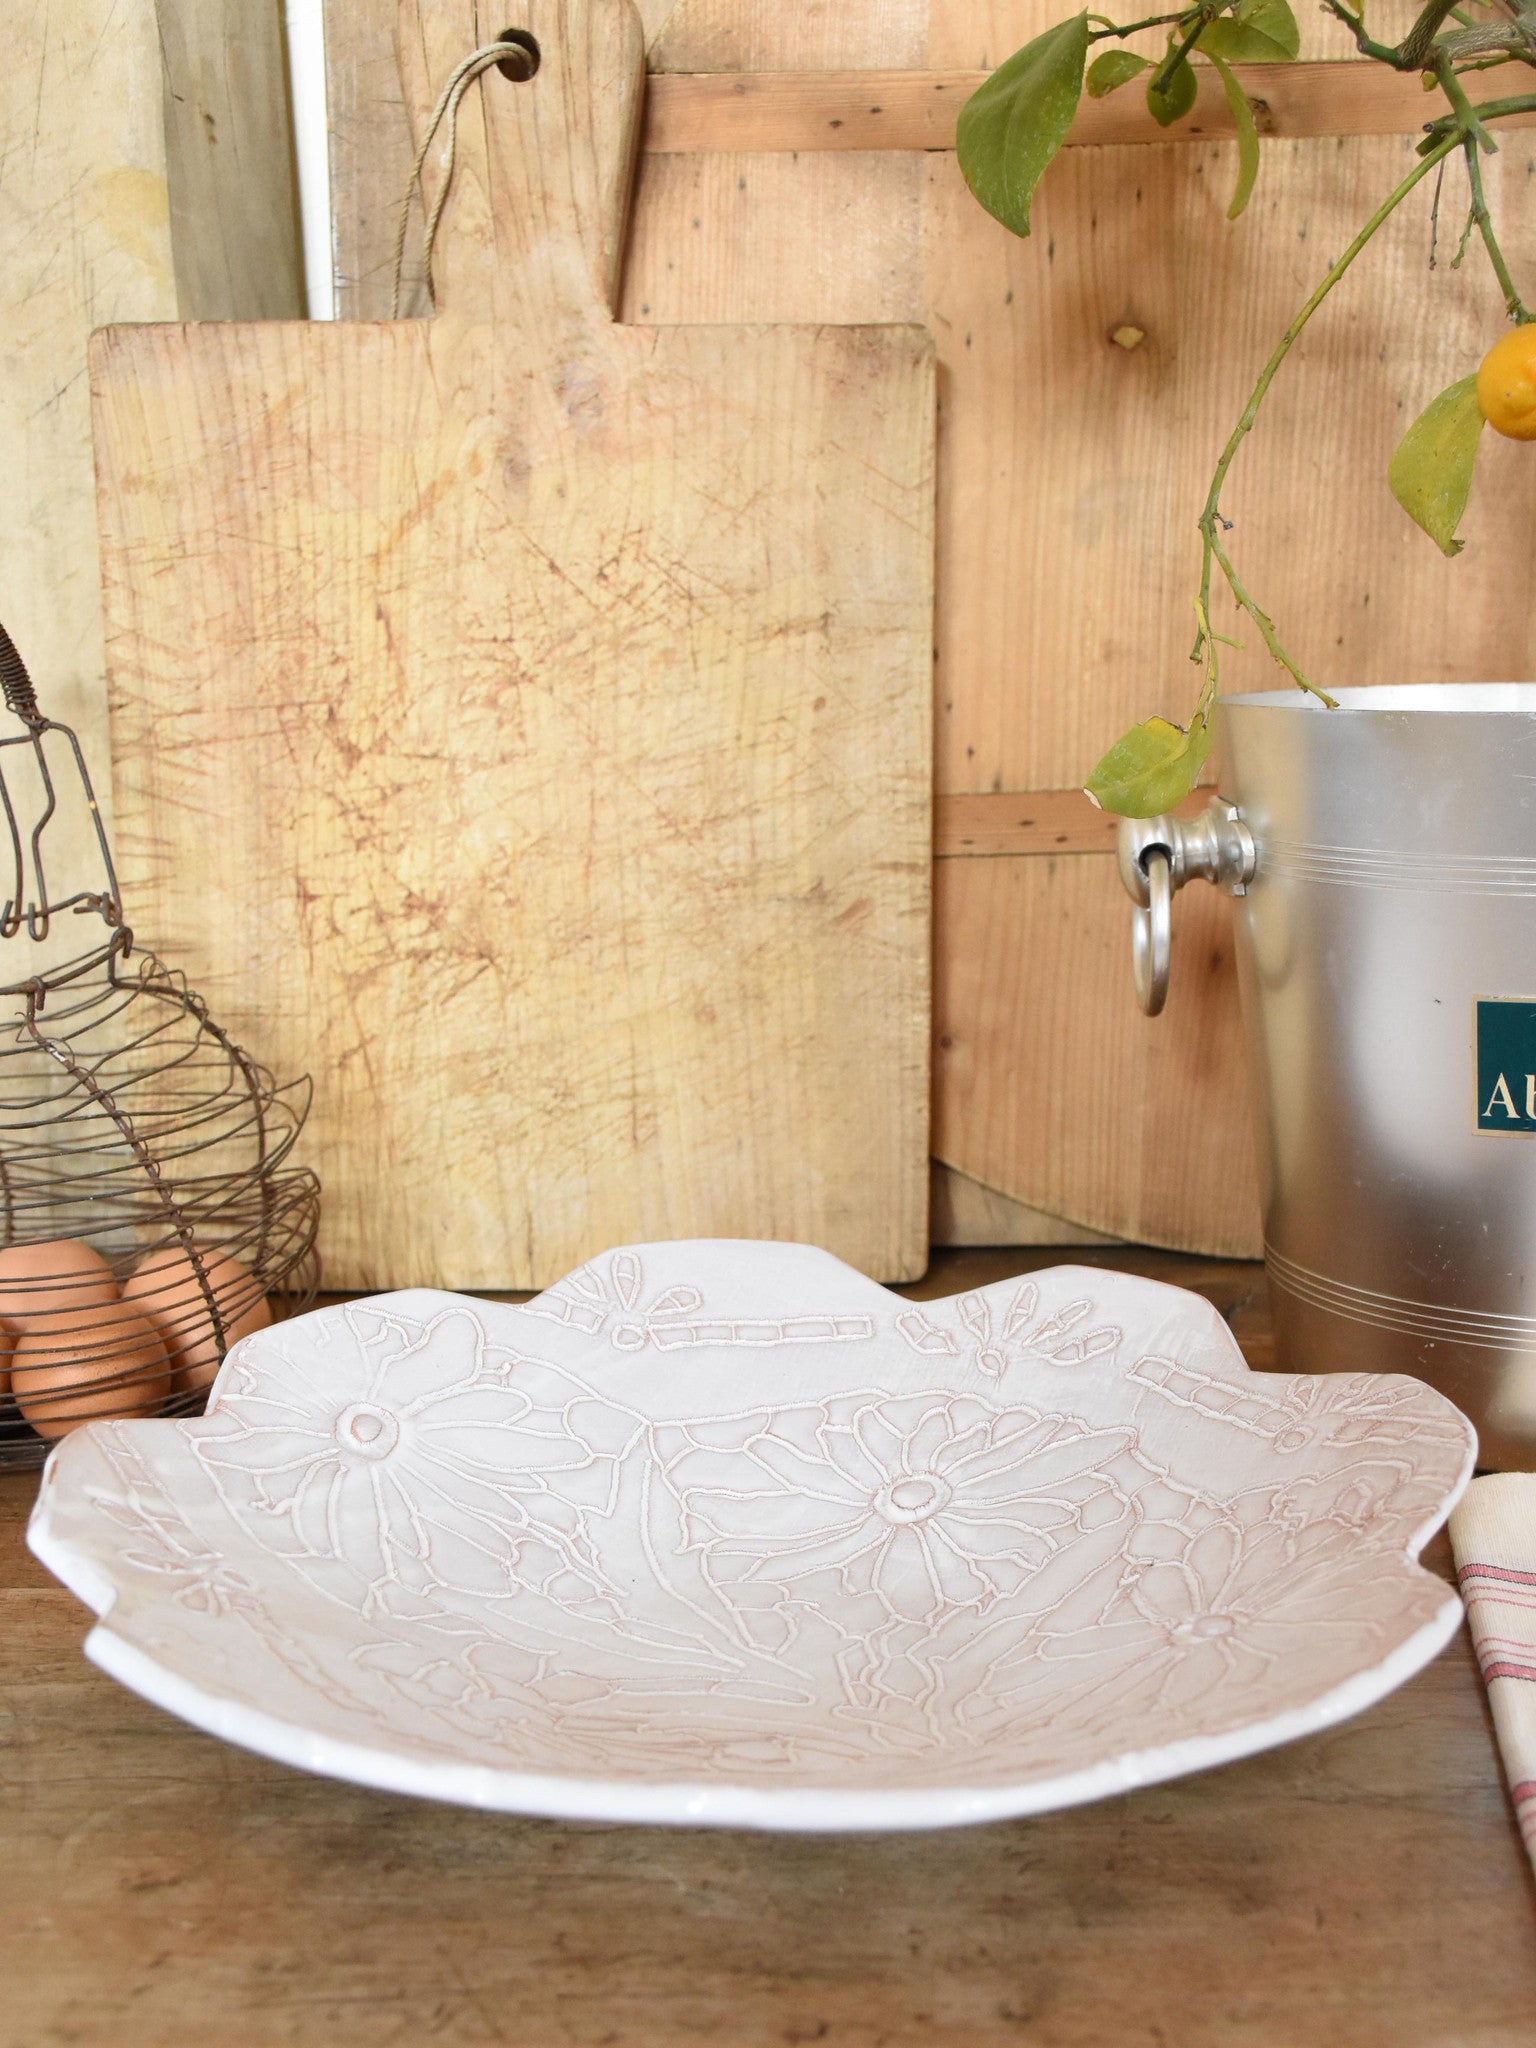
(1384, 858)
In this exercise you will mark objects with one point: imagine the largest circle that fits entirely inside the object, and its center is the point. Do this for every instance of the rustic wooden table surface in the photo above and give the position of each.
(1362, 1887)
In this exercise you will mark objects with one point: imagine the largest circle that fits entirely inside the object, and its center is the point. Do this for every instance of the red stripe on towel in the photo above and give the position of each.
(1503, 1572)
(1523, 1597)
(1488, 1647)
(1509, 1670)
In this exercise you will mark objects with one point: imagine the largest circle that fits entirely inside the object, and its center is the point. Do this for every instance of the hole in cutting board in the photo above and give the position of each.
(524, 60)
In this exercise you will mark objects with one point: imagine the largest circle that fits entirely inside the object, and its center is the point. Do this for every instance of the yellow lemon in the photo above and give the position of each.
(1506, 384)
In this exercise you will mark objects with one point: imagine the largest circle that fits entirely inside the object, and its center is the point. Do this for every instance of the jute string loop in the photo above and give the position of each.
(460, 79)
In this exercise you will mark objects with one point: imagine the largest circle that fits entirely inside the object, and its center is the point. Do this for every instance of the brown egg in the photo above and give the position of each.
(7, 1346)
(165, 1288)
(62, 1380)
(46, 1286)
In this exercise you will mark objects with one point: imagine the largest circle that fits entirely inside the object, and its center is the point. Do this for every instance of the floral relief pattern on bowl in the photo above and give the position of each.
(723, 1532)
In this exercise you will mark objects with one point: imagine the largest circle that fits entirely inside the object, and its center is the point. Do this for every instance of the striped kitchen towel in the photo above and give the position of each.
(1493, 1533)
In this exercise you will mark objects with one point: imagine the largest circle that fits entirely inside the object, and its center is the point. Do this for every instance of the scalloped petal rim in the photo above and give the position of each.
(723, 1533)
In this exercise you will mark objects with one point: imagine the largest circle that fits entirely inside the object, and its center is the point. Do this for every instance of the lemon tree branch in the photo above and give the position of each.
(1129, 28)
(1514, 304)
(1466, 114)
(1213, 553)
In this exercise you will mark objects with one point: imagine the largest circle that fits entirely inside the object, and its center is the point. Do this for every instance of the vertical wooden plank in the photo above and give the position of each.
(84, 237)
(229, 160)
(370, 156)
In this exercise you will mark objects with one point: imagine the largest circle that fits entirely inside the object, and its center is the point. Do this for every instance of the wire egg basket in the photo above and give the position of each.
(148, 1213)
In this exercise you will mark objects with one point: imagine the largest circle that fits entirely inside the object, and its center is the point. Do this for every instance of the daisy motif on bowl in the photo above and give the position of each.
(418, 1458)
(1219, 1601)
(911, 1507)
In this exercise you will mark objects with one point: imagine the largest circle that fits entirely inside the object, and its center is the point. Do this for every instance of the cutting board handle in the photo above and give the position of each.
(532, 236)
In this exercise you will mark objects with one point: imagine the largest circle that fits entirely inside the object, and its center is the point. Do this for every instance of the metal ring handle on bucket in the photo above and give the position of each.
(1152, 933)
(1157, 856)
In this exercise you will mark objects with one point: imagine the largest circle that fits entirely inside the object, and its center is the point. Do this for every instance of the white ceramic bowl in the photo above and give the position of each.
(723, 1532)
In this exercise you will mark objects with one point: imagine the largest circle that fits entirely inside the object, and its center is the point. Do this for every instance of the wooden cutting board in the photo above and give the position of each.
(523, 721)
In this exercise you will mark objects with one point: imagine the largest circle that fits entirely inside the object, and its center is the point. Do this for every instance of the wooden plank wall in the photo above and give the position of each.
(1071, 469)
(147, 176)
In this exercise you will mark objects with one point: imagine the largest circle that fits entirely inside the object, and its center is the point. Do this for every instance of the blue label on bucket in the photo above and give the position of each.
(1506, 1066)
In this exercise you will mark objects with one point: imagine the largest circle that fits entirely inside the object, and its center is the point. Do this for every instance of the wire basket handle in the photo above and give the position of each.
(20, 696)
(32, 908)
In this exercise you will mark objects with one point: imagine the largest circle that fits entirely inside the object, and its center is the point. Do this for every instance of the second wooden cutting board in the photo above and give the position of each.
(523, 721)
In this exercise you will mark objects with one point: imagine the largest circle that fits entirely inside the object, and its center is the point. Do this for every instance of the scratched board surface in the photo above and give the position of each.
(523, 722)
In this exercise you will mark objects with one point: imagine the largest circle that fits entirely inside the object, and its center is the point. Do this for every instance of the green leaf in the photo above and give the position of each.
(1257, 32)
(1431, 473)
(1114, 69)
(1247, 137)
(1012, 126)
(1172, 105)
(1272, 18)
(1150, 768)
(1235, 43)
